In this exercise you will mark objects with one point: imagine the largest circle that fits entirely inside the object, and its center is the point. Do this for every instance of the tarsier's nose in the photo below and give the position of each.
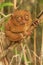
(24, 21)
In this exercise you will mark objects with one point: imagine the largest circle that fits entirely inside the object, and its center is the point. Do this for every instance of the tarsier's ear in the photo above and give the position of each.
(40, 14)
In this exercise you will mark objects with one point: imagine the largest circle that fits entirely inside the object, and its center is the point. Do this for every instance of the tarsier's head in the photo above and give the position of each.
(20, 21)
(21, 17)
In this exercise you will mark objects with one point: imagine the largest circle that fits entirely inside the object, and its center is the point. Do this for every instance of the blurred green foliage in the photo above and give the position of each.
(9, 4)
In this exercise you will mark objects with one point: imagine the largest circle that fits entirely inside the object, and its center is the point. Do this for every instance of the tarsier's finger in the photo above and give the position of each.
(36, 23)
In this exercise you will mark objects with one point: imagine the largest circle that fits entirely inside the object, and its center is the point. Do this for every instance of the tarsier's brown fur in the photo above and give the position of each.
(18, 25)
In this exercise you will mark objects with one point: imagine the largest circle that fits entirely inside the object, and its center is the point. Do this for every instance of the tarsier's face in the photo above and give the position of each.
(18, 25)
(21, 17)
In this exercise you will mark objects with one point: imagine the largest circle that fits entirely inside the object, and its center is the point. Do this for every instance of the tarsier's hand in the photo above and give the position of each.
(19, 25)
(33, 25)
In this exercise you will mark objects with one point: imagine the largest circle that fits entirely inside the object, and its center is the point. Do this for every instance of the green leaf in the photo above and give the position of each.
(9, 4)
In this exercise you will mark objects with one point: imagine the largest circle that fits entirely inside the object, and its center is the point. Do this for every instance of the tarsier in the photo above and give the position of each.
(19, 25)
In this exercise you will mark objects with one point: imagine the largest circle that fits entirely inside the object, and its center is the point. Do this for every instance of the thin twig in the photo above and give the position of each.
(13, 58)
(24, 54)
(5, 15)
(36, 55)
(29, 52)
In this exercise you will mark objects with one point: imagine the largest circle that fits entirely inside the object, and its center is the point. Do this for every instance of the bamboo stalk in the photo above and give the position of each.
(35, 45)
(15, 3)
(42, 50)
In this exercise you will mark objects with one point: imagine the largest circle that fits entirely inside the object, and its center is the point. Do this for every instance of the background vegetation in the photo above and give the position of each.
(30, 51)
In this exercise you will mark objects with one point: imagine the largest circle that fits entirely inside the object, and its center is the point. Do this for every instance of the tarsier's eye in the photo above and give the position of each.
(26, 17)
